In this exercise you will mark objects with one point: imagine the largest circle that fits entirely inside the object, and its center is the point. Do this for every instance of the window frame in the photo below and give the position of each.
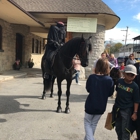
(1, 49)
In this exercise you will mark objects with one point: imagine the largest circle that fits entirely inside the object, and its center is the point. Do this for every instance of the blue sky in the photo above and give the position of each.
(129, 13)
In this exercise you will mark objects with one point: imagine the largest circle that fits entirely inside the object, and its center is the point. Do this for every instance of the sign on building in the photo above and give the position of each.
(81, 24)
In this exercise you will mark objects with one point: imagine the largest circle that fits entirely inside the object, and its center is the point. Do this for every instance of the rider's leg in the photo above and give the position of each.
(47, 70)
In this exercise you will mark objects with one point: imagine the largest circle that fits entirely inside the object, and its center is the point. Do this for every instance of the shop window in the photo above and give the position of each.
(32, 45)
(40, 47)
(36, 46)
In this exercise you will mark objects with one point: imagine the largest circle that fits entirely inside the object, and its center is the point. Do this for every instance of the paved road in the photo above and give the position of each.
(24, 116)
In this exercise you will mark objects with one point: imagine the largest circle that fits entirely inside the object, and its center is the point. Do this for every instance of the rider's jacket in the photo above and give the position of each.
(56, 35)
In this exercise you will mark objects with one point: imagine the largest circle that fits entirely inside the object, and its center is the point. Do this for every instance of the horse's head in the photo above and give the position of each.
(115, 74)
(85, 49)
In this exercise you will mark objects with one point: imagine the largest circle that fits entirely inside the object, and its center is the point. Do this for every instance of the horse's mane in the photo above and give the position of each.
(72, 42)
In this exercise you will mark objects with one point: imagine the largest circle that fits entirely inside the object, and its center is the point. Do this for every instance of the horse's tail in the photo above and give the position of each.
(48, 83)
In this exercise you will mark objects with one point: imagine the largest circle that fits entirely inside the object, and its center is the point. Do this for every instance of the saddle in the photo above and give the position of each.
(49, 61)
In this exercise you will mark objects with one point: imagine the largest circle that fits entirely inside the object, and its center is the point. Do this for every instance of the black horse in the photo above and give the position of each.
(63, 68)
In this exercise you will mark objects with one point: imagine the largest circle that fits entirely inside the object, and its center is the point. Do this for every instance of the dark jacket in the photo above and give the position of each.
(100, 87)
(56, 35)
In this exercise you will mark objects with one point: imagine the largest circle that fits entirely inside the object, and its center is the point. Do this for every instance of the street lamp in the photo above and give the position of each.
(125, 38)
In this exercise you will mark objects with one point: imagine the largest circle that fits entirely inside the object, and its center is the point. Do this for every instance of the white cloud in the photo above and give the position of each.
(117, 35)
(137, 17)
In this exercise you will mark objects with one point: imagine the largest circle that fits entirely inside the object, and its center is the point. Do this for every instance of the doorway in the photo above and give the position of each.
(19, 46)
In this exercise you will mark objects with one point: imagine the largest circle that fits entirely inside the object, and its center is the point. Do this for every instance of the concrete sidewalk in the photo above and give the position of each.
(78, 92)
(23, 72)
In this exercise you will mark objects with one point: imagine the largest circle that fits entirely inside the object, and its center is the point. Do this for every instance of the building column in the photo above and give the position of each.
(97, 41)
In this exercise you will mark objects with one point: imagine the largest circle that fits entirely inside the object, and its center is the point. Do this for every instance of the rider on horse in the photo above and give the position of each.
(55, 39)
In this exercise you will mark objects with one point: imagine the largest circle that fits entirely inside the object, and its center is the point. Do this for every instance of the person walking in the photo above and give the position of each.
(77, 66)
(100, 87)
(126, 103)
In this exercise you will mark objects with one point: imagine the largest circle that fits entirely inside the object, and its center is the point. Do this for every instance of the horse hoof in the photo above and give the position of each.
(59, 110)
(67, 110)
(43, 97)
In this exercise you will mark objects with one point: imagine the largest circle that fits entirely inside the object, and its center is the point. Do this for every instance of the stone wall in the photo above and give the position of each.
(7, 57)
(97, 41)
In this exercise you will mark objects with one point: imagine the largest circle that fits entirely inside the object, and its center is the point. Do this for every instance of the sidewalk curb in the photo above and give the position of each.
(20, 75)
(10, 77)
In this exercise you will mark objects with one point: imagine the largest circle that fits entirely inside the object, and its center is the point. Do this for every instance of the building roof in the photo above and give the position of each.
(137, 38)
(48, 12)
(65, 6)
(8, 12)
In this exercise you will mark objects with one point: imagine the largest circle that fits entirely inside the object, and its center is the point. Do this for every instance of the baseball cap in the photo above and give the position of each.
(130, 69)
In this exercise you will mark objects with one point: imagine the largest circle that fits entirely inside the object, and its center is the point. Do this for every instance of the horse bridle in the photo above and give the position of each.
(81, 52)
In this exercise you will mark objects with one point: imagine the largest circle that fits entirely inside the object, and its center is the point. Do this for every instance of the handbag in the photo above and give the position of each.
(108, 123)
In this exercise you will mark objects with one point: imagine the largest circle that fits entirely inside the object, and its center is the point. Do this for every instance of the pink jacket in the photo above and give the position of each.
(77, 64)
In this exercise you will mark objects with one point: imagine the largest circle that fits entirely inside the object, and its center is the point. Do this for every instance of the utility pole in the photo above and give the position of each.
(125, 38)
(110, 44)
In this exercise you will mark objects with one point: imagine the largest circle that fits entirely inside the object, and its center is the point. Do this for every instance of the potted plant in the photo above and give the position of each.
(30, 63)
(17, 65)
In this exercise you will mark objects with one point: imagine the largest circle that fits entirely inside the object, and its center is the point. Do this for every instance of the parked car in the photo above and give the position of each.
(122, 59)
(137, 60)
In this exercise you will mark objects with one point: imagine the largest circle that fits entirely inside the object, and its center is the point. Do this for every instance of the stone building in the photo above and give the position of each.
(24, 31)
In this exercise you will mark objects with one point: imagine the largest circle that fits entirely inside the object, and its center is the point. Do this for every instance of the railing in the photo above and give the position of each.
(136, 48)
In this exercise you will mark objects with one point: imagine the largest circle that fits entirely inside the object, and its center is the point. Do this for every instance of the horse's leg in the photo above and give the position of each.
(59, 109)
(44, 91)
(67, 109)
(53, 79)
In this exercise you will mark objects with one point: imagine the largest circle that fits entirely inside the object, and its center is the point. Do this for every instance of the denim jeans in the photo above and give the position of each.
(76, 77)
(90, 123)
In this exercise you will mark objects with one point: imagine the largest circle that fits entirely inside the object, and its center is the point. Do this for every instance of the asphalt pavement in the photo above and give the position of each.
(24, 116)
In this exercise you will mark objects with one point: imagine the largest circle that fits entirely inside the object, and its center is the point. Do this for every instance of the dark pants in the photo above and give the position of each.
(122, 124)
(138, 133)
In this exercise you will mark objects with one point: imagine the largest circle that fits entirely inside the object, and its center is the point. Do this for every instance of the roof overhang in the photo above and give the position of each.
(41, 22)
(13, 13)
(109, 21)
(137, 38)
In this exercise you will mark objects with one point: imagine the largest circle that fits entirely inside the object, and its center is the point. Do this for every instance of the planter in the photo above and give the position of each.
(30, 65)
(16, 66)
